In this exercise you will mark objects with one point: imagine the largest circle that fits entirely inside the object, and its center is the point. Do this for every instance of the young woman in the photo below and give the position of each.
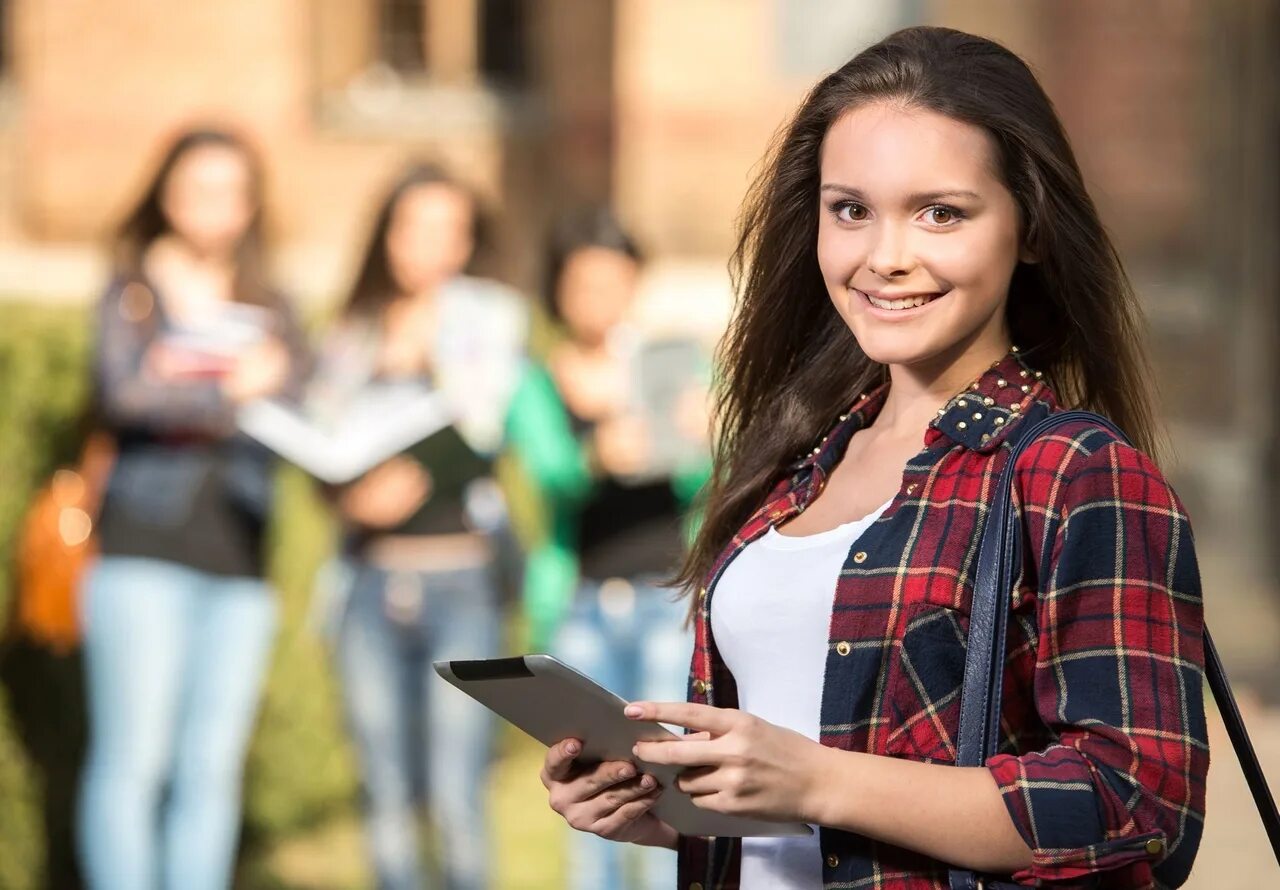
(923, 214)
(419, 552)
(178, 619)
(593, 588)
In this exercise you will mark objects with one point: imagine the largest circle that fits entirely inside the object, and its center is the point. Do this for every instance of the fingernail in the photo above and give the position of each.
(571, 748)
(626, 772)
(647, 782)
(632, 710)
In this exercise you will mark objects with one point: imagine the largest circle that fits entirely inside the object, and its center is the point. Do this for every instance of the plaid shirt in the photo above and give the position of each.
(1104, 753)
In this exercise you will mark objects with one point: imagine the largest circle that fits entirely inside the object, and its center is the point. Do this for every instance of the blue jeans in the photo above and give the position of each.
(416, 736)
(629, 637)
(175, 661)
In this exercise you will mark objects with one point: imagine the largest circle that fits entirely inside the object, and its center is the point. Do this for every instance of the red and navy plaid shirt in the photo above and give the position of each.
(1104, 752)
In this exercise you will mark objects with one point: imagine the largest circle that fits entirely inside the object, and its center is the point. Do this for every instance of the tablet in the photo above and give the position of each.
(551, 702)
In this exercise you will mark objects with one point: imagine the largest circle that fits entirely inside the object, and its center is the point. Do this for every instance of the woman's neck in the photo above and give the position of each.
(186, 277)
(917, 391)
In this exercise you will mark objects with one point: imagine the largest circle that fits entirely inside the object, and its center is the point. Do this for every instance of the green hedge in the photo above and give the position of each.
(42, 390)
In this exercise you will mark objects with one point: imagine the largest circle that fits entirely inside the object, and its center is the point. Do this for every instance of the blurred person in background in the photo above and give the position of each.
(614, 527)
(418, 571)
(178, 619)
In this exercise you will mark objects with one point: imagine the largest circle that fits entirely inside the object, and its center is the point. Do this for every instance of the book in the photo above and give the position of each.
(337, 443)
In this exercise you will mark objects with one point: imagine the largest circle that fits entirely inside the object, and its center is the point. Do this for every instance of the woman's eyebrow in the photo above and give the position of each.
(914, 199)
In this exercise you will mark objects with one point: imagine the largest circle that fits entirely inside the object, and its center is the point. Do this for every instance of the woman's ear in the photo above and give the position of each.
(1027, 255)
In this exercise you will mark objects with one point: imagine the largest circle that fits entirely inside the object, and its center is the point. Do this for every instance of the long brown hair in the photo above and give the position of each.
(147, 221)
(791, 364)
(374, 284)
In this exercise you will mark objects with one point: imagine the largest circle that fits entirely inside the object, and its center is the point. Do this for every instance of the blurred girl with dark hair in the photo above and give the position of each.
(419, 559)
(614, 528)
(178, 618)
(921, 272)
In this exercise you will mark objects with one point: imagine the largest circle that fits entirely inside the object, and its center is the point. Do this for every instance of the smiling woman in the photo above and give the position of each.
(926, 193)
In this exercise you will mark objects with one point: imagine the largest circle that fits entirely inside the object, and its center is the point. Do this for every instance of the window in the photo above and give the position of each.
(816, 36)
(386, 63)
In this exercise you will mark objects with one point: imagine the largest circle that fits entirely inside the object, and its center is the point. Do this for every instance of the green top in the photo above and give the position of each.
(552, 460)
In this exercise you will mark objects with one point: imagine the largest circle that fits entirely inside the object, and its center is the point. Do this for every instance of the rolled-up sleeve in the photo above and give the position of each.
(1119, 797)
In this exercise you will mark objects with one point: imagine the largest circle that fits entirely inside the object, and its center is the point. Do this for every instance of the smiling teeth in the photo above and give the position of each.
(908, 303)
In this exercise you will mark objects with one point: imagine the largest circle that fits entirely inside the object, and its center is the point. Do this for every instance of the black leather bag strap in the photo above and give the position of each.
(999, 568)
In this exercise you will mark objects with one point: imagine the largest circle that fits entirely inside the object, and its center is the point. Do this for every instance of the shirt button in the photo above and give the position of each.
(911, 489)
(699, 686)
(860, 556)
(695, 886)
(1155, 846)
(843, 647)
(833, 861)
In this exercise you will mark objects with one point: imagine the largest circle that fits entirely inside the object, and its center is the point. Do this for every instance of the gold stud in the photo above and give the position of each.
(1002, 382)
(843, 647)
(999, 421)
(942, 411)
(973, 385)
(962, 403)
(1026, 388)
(986, 436)
(1155, 846)
(988, 401)
(962, 425)
(833, 861)
(860, 557)
(1013, 349)
(844, 417)
(700, 686)
(1022, 374)
(1039, 374)
(1016, 407)
(911, 489)
(817, 450)
(977, 415)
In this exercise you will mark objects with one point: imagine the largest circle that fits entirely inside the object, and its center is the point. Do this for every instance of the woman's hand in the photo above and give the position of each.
(261, 371)
(622, 445)
(387, 495)
(607, 799)
(738, 764)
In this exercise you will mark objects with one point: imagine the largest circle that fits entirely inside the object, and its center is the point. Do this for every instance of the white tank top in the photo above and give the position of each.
(770, 616)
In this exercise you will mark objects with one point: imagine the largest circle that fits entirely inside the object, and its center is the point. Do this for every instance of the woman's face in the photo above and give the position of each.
(917, 236)
(596, 288)
(430, 238)
(208, 198)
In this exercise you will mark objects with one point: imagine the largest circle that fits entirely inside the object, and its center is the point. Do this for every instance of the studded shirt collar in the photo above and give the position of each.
(978, 417)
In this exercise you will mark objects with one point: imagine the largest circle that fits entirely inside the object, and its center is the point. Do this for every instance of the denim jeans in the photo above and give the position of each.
(175, 661)
(629, 637)
(417, 737)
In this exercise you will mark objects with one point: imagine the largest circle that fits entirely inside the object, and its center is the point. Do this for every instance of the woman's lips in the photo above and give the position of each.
(900, 305)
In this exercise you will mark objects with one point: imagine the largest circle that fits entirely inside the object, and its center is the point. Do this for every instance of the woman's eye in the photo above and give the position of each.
(847, 211)
(943, 216)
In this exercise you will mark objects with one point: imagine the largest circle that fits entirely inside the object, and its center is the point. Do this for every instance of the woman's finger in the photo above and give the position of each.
(558, 764)
(679, 752)
(598, 778)
(698, 781)
(621, 818)
(687, 714)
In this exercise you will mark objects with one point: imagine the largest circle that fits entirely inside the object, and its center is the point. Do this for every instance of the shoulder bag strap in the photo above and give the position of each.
(999, 568)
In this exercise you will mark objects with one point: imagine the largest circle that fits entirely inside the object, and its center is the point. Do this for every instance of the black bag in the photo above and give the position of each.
(999, 567)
